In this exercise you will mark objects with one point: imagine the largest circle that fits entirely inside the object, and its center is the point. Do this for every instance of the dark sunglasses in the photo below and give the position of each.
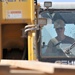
(59, 28)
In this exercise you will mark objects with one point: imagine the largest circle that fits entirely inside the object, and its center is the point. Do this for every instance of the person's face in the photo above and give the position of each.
(60, 31)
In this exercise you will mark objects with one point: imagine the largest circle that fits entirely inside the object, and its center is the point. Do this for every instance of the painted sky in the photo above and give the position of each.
(57, 0)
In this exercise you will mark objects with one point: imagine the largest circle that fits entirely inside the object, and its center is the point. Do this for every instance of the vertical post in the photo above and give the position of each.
(0, 42)
(30, 33)
(37, 32)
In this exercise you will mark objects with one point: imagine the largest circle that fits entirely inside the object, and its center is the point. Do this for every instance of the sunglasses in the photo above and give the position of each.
(59, 28)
